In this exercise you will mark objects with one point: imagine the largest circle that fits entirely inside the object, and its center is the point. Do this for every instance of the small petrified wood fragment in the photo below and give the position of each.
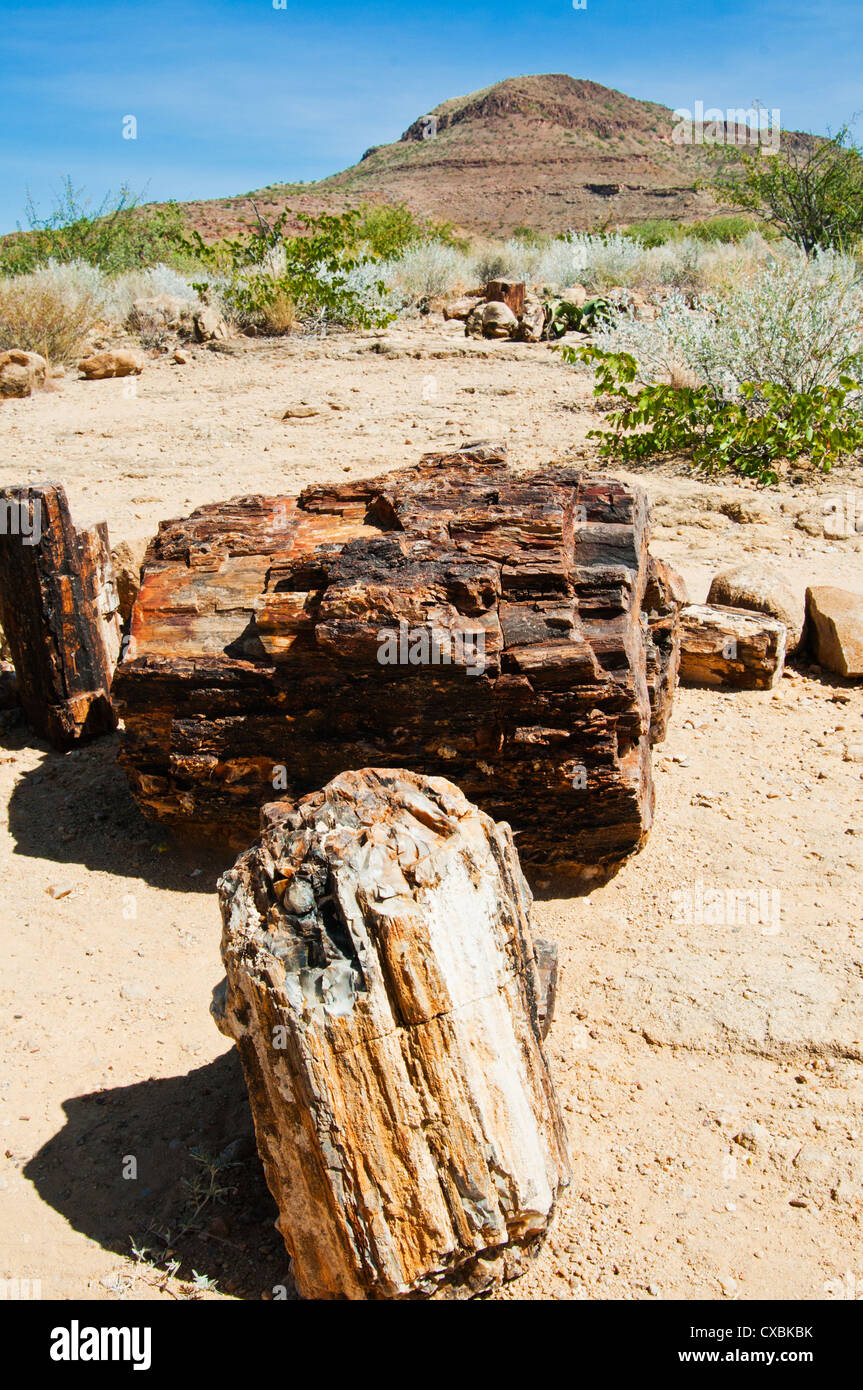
(60, 613)
(382, 990)
(730, 647)
(664, 596)
(455, 618)
(508, 292)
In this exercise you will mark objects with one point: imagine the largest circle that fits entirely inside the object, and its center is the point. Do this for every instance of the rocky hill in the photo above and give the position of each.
(549, 152)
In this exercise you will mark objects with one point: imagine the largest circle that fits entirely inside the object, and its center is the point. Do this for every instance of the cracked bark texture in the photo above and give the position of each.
(256, 635)
(383, 992)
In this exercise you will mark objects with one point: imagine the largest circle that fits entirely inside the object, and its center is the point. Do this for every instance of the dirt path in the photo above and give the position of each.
(710, 1072)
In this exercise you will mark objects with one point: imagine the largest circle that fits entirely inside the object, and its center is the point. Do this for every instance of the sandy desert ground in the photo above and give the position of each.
(710, 1075)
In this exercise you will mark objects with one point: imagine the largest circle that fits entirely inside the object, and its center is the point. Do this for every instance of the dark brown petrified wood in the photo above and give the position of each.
(60, 613)
(456, 618)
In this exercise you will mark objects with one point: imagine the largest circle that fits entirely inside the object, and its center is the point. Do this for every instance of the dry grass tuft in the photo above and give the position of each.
(38, 316)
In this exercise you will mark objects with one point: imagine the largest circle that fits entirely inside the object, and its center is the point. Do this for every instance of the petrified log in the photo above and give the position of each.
(59, 611)
(9, 698)
(454, 618)
(382, 990)
(508, 292)
(730, 646)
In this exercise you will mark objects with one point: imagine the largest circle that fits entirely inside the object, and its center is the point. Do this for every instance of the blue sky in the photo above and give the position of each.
(230, 95)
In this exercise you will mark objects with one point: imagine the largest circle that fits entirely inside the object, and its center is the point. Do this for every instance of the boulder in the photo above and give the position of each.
(575, 294)
(505, 630)
(117, 362)
(383, 992)
(59, 611)
(167, 313)
(473, 322)
(835, 629)
(532, 321)
(21, 373)
(209, 325)
(460, 308)
(498, 321)
(756, 588)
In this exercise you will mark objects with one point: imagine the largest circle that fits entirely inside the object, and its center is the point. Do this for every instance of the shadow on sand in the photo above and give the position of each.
(162, 1124)
(76, 808)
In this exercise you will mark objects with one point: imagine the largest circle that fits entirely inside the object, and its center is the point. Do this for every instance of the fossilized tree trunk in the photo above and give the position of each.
(60, 613)
(732, 647)
(455, 618)
(383, 993)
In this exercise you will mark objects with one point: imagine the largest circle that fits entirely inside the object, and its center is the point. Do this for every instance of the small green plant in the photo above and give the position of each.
(528, 236)
(118, 235)
(564, 317)
(768, 423)
(207, 1185)
(309, 275)
(200, 1284)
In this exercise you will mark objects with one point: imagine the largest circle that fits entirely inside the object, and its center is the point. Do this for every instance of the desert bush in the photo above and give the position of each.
(114, 295)
(811, 190)
(39, 315)
(793, 323)
(387, 230)
(425, 270)
(659, 231)
(529, 236)
(563, 317)
(599, 262)
(602, 261)
(118, 235)
(492, 263)
(765, 425)
(263, 271)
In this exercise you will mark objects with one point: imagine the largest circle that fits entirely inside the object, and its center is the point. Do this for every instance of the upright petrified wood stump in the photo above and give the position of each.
(60, 613)
(454, 618)
(383, 993)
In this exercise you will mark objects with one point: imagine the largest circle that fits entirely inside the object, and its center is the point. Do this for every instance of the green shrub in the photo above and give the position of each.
(810, 190)
(388, 229)
(529, 236)
(264, 273)
(659, 231)
(119, 235)
(768, 424)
